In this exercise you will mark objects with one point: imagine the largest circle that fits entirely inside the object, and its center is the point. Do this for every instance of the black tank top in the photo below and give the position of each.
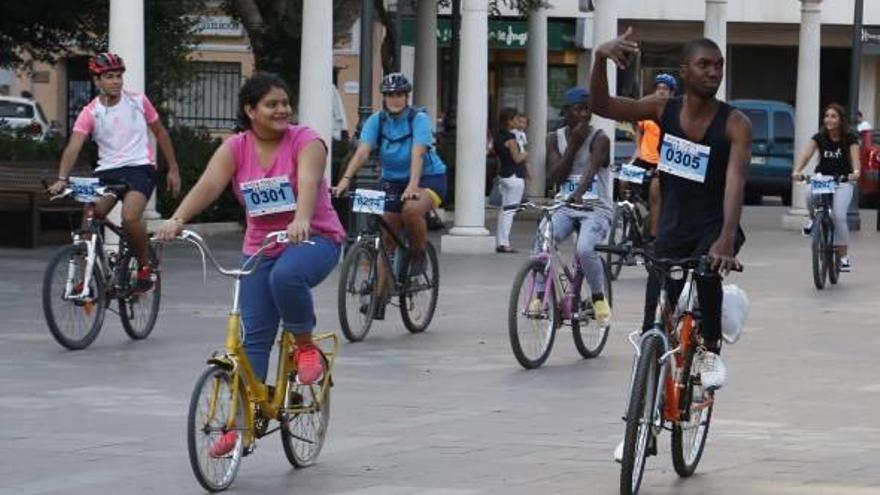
(691, 210)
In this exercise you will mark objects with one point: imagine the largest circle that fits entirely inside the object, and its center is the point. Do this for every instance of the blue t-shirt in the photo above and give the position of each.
(395, 156)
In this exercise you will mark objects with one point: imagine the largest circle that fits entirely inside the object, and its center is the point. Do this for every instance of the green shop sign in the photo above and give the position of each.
(512, 35)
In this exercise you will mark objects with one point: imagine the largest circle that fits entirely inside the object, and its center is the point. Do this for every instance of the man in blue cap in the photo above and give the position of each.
(577, 161)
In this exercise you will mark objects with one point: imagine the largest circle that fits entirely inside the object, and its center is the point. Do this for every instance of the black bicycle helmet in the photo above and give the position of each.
(395, 83)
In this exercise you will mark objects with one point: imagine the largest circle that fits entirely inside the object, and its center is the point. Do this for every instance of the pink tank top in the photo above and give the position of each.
(325, 222)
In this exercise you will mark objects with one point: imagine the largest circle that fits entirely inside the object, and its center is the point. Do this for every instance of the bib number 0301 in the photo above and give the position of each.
(267, 196)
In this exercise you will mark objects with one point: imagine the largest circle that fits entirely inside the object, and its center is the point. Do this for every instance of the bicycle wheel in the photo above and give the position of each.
(831, 258)
(820, 267)
(589, 336)
(209, 418)
(139, 312)
(531, 329)
(356, 299)
(639, 436)
(418, 296)
(689, 434)
(617, 237)
(74, 323)
(303, 431)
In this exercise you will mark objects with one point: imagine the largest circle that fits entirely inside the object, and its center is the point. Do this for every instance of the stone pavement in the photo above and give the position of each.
(449, 412)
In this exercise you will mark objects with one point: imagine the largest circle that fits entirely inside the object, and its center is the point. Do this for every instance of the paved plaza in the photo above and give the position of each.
(450, 412)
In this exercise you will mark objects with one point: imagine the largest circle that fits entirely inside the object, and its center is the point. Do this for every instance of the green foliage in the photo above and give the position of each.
(46, 30)
(16, 148)
(274, 29)
(170, 39)
(194, 148)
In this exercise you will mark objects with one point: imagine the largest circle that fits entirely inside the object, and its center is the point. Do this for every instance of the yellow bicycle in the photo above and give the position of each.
(229, 397)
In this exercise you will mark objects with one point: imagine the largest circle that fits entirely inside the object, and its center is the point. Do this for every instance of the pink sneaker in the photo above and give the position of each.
(309, 363)
(223, 445)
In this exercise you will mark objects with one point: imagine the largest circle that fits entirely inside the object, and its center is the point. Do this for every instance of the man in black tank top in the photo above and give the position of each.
(705, 149)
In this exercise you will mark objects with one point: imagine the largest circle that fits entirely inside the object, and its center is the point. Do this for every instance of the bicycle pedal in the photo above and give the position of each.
(652, 445)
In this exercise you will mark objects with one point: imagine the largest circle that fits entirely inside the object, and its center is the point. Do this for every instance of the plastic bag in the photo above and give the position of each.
(734, 312)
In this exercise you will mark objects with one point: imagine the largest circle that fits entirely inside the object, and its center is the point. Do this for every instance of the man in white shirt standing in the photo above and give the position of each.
(118, 121)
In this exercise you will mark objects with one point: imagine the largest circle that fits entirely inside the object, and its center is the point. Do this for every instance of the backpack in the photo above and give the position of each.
(411, 115)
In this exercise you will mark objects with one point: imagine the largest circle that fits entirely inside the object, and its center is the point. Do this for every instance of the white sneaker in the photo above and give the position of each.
(618, 452)
(807, 227)
(845, 265)
(713, 373)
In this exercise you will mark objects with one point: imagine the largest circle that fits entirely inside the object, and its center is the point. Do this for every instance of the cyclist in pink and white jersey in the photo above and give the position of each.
(118, 122)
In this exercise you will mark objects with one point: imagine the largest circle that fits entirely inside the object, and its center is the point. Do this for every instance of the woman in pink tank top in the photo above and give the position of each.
(277, 173)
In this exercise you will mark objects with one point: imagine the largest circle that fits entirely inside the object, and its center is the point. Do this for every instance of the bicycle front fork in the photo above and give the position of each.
(87, 274)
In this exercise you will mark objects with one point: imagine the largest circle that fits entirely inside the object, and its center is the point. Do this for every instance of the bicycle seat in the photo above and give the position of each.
(117, 188)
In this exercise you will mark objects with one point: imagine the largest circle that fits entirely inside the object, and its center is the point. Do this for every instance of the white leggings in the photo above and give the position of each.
(842, 198)
(511, 193)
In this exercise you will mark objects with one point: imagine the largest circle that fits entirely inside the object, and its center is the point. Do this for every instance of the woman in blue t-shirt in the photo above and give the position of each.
(410, 166)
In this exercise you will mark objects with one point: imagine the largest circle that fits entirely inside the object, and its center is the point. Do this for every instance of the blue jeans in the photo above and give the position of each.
(594, 228)
(280, 291)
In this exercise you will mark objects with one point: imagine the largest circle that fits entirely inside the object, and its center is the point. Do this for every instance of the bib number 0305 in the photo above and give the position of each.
(684, 158)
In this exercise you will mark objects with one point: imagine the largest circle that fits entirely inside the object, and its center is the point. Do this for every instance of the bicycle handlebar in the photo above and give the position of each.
(836, 178)
(108, 190)
(666, 264)
(276, 237)
(555, 205)
(388, 197)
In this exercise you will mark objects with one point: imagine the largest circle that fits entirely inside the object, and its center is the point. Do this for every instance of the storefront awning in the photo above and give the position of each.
(503, 34)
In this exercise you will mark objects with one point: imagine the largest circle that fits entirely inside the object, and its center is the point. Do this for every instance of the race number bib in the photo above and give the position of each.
(85, 188)
(822, 185)
(267, 196)
(631, 173)
(368, 201)
(684, 158)
(571, 184)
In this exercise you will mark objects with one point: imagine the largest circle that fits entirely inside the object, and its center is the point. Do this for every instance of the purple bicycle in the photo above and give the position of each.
(548, 293)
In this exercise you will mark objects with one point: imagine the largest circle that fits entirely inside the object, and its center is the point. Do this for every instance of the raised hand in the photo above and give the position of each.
(618, 49)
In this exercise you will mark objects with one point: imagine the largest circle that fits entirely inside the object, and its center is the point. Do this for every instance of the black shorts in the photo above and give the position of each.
(644, 188)
(435, 184)
(141, 178)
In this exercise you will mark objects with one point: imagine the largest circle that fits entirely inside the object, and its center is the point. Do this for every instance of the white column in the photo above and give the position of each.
(127, 41)
(425, 91)
(715, 28)
(605, 29)
(806, 117)
(316, 71)
(536, 101)
(469, 233)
